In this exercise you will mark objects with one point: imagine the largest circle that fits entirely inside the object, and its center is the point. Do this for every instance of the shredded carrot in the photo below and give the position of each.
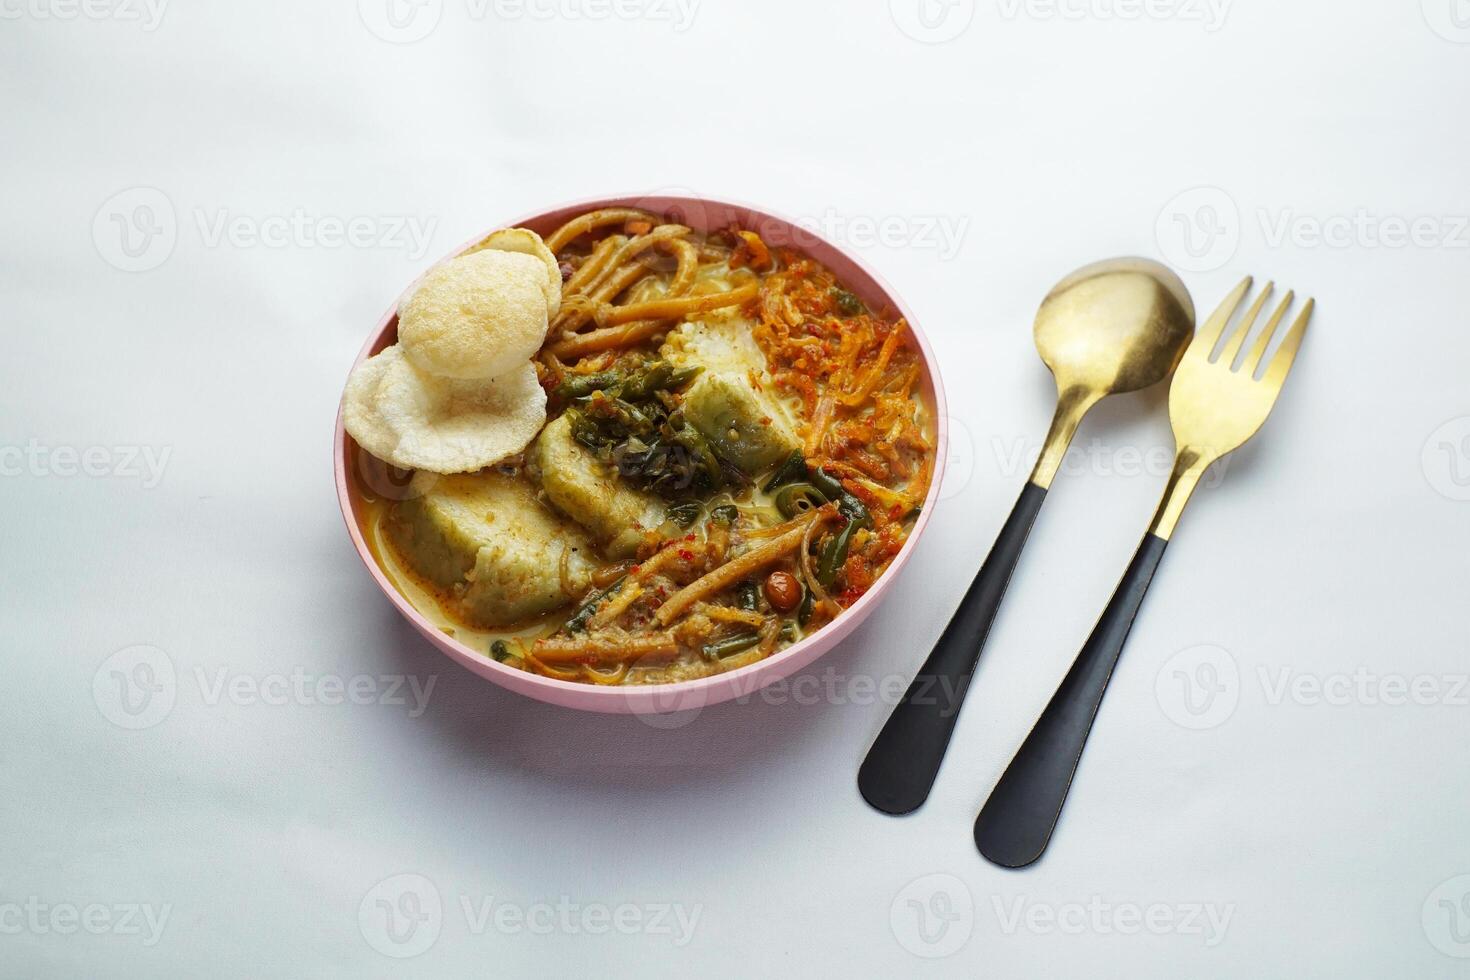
(870, 380)
(751, 251)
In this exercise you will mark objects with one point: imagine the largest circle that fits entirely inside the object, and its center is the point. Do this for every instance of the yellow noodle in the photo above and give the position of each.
(589, 271)
(592, 220)
(607, 338)
(614, 677)
(675, 307)
(574, 315)
(661, 237)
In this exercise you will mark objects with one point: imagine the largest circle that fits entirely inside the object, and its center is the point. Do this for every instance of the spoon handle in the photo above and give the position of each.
(900, 768)
(1016, 823)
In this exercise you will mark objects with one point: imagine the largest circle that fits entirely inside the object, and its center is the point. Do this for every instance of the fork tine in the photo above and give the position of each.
(1209, 334)
(1281, 363)
(1258, 349)
(1237, 339)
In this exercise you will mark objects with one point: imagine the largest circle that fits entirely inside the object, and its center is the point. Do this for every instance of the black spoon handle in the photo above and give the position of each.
(901, 766)
(1016, 823)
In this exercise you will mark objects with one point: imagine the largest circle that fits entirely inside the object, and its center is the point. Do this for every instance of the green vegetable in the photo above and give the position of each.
(638, 386)
(834, 553)
(500, 650)
(847, 505)
(684, 514)
(847, 302)
(726, 514)
(630, 421)
(655, 377)
(730, 644)
(804, 611)
(747, 596)
(578, 621)
(830, 486)
(788, 631)
(792, 469)
(798, 498)
(691, 439)
(582, 385)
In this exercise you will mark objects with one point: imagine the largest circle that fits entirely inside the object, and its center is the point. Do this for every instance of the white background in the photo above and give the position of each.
(1031, 140)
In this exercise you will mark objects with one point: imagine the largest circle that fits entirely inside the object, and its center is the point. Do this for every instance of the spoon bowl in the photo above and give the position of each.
(1115, 326)
(1110, 327)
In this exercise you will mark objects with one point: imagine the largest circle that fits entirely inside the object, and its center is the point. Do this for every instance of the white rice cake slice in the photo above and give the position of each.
(582, 487)
(492, 550)
(731, 403)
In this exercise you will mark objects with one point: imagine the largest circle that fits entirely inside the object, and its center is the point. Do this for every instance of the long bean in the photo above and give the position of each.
(835, 553)
(730, 644)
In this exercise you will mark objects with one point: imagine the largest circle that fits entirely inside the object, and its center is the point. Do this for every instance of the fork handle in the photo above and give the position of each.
(900, 768)
(1017, 821)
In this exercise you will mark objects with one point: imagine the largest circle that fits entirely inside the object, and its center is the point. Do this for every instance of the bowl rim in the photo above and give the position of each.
(679, 695)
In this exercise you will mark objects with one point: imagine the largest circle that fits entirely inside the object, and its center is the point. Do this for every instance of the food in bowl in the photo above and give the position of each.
(734, 449)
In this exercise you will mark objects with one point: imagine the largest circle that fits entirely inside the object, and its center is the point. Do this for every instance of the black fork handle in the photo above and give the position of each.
(900, 768)
(1017, 821)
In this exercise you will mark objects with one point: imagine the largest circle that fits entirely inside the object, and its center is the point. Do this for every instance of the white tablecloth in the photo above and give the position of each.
(223, 752)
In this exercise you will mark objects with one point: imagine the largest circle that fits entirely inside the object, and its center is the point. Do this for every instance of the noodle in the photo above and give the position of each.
(575, 314)
(609, 315)
(626, 335)
(589, 271)
(592, 220)
(630, 249)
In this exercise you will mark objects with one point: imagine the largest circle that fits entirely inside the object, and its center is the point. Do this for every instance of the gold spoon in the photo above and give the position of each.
(1114, 326)
(1214, 407)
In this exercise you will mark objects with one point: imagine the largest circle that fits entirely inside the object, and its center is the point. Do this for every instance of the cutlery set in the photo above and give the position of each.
(1108, 328)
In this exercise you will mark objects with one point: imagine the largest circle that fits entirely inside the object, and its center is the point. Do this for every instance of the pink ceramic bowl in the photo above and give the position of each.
(702, 215)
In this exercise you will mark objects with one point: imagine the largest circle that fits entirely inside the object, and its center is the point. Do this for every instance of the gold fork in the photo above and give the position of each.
(1214, 407)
